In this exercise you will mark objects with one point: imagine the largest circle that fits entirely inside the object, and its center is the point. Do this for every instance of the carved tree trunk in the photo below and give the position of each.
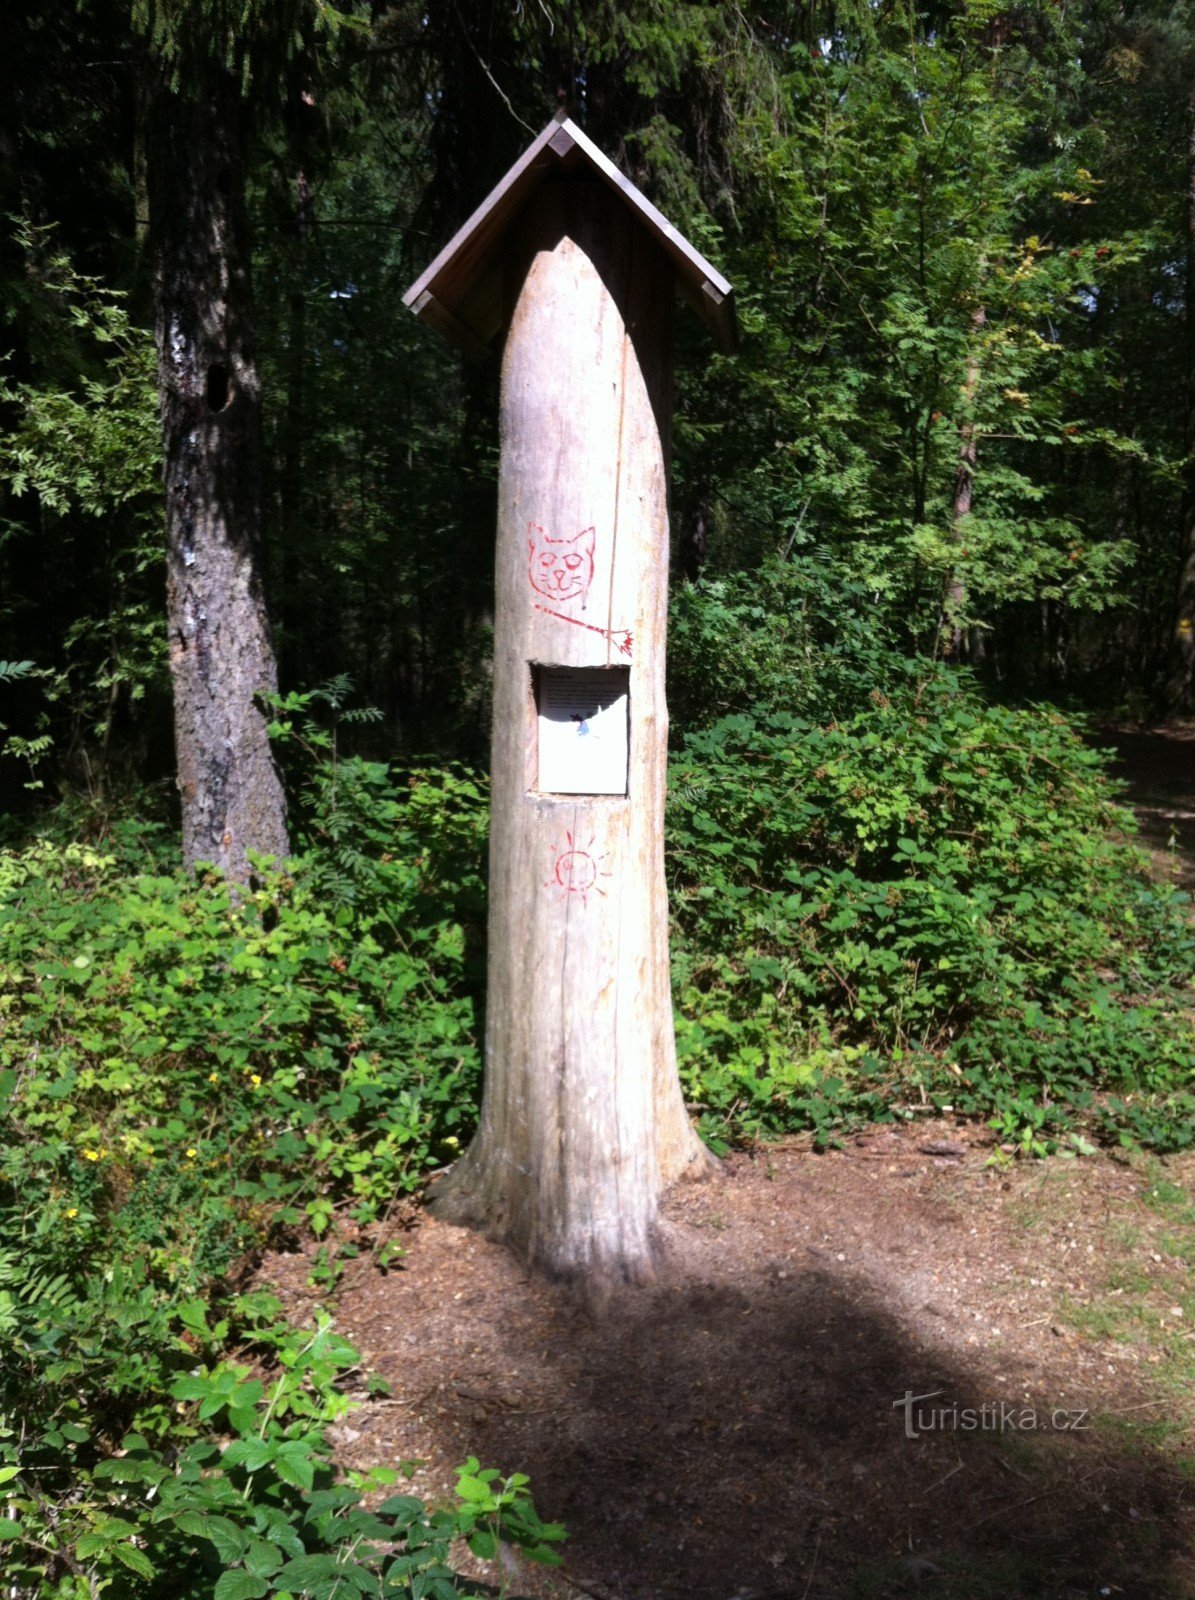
(582, 1121)
(221, 654)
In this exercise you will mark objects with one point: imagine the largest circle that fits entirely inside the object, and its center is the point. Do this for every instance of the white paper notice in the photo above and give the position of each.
(584, 729)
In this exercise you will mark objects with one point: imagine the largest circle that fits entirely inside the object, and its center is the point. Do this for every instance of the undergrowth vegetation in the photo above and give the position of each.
(887, 895)
(921, 904)
(186, 1072)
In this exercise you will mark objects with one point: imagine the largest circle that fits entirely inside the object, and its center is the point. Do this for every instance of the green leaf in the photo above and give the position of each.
(403, 1509)
(230, 1541)
(240, 1586)
(295, 1465)
(262, 1558)
(544, 1555)
(136, 1560)
(303, 1574)
(250, 1453)
(483, 1544)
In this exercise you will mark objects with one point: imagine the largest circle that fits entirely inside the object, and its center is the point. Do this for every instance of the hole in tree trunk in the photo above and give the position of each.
(217, 387)
(583, 717)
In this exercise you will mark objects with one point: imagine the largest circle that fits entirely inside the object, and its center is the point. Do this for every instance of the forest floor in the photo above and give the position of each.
(741, 1431)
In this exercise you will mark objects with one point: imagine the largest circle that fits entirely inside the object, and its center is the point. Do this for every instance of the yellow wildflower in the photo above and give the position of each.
(213, 1077)
(72, 1211)
(91, 1155)
(255, 1080)
(192, 1153)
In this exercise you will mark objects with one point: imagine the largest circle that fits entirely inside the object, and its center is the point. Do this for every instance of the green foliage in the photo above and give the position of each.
(410, 842)
(496, 1508)
(798, 634)
(313, 1048)
(137, 1453)
(94, 448)
(87, 453)
(893, 895)
(1163, 1122)
(905, 243)
(912, 893)
(183, 1073)
(942, 227)
(250, 39)
(18, 746)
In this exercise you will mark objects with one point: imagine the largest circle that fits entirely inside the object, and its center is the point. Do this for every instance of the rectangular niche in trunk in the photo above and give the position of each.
(583, 716)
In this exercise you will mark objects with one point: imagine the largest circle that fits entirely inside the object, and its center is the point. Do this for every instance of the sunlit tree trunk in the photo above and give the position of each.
(583, 1124)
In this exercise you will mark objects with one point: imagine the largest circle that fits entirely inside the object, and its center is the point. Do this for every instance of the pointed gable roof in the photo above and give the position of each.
(460, 294)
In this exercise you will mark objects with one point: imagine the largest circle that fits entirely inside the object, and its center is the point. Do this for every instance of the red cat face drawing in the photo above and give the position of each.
(562, 569)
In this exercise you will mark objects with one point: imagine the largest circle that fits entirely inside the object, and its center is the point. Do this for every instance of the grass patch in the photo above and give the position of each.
(1148, 1304)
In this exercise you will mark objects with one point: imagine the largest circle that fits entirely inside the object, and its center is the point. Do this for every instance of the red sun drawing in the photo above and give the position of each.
(577, 871)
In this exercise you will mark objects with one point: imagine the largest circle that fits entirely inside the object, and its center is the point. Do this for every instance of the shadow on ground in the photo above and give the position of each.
(744, 1442)
(735, 1432)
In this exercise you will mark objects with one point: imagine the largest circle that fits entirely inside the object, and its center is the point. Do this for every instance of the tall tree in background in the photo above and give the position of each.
(1182, 685)
(199, 67)
(1134, 116)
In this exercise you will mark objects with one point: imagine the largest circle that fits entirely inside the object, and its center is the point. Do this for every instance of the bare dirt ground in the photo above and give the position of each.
(741, 1431)
(737, 1431)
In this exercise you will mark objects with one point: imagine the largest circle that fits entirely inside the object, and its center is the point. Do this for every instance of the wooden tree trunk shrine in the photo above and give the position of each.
(582, 1122)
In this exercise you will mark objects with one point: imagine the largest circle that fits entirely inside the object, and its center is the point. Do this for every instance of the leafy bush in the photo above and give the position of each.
(224, 1483)
(797, 635)
(84, 444)
(184, 1069)
(929, 896)
(306, 1047)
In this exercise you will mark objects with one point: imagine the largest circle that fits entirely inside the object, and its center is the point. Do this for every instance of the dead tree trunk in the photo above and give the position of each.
(221, 655)
(582, 1121)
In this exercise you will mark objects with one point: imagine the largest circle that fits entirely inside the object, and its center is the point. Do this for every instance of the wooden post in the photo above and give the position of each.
(582, 1122)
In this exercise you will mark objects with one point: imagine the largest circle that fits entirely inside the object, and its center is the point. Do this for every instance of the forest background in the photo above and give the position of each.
(938, 507)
